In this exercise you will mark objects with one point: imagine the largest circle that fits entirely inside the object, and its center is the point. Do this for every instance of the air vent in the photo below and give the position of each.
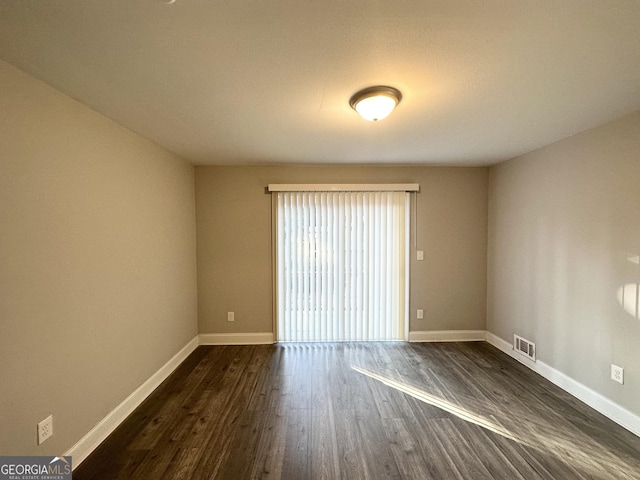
(524, 347)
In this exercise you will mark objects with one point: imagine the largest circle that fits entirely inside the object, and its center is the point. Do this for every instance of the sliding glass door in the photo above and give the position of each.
(341, 266)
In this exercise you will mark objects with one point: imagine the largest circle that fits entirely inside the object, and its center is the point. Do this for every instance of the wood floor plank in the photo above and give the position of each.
(270, 450)
(155, 465)
(375, 446)
(296, 462)
(182, 466)
(466, 460)
(493, 459)
(362, 411)
(405, 450)
(238, 463)
(352, 463)
(325, 462)
(439, 463)
(134, 460)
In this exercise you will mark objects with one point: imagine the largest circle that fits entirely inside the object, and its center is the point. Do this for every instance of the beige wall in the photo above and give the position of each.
(234, 242)
(564, 237)
(97, 263)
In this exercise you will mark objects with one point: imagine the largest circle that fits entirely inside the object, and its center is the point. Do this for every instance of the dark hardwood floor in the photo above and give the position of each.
(362, 411)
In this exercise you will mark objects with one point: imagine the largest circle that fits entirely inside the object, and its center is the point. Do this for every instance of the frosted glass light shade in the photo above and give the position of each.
(375, 103)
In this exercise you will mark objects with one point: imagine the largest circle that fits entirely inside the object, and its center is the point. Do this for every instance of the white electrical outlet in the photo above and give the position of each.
(231, 317)
(420, 314)
(617, 374)
(45, 429)
(420, 255)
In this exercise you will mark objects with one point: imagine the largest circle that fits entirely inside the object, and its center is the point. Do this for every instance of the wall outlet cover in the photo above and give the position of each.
(617, 374)
(45, 429)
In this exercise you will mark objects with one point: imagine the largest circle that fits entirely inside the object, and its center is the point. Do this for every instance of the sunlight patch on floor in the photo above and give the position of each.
(569, 447)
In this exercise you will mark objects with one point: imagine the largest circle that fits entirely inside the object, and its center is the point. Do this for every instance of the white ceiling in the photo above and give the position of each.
(269, 81)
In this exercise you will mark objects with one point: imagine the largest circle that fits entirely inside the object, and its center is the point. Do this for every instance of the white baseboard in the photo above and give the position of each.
(447, 336)
(260, 338)
(87, 444)
(595, 400)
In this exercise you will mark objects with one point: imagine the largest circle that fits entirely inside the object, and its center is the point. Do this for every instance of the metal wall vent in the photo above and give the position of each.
(524, 347)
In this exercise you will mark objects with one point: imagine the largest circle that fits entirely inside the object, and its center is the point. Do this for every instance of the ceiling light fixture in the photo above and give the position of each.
(375, 103)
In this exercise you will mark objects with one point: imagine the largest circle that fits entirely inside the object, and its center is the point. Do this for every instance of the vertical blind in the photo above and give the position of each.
(341, 266)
